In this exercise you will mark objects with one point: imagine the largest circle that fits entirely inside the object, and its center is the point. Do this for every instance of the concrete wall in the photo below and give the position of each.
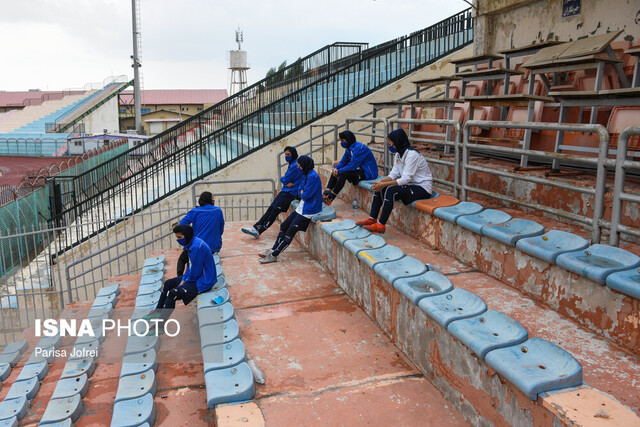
(105, 117)
(504, 24)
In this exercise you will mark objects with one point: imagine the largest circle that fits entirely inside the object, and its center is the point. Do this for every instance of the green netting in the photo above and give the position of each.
(32, 212)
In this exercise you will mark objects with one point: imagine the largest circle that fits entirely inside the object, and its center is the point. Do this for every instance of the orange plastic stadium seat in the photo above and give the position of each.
(442, 201)
(620, 119)
(519, 115)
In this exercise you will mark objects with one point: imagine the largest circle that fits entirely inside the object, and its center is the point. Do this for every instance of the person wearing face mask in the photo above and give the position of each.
(201, 274)
(291, 182)
(357, 164)
(410, 180)
(207, 221)
(311, 204)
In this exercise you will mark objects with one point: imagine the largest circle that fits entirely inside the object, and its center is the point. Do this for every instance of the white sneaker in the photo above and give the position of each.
(251, 231)
(268, 259)
(265, 253)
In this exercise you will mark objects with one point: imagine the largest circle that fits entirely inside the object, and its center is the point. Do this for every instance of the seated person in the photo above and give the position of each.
(291, 182)
(311, 204)
(200, 276)
(357, 164)
(207, 221)
(409, 180)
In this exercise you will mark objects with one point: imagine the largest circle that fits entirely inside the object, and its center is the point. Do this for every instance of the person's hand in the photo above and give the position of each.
(335, 172)
(377, 186)
(335, 163)
(289, 185)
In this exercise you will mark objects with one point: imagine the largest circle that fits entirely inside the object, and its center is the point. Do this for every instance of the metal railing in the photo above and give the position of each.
(442, 140)
(51, 277)
(598, 192)
(175, 160)
(373, 122)
(622, 164)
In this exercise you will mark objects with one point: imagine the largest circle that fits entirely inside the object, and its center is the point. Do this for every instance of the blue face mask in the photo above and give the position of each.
(287, 159)
(392, 149)
(343, 144)
(182, 242)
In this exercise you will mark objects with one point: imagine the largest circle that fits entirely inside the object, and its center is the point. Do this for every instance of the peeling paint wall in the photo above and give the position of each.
(507, 24)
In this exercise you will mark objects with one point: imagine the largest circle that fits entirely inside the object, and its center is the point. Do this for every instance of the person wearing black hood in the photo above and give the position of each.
(357, 164)
(311, 204)
(410, 180)
(201, 275)
(207, 221)
(291, 183)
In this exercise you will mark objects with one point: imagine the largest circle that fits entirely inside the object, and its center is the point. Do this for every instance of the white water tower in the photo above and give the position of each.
(238, 66)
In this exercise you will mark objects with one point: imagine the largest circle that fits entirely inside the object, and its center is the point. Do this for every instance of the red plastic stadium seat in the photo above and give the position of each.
(620, 119)
(519, 115)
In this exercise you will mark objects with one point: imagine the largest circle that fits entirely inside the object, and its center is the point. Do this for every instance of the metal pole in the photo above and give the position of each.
(136, 66)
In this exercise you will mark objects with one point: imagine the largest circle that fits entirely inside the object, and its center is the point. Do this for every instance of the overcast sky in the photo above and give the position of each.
(61, 44)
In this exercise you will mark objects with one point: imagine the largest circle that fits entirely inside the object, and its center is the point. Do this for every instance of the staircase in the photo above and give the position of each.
(265, 113)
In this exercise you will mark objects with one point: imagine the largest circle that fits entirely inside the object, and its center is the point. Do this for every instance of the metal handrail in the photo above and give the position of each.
(600, 163)
(234, 181)
(373, 121)
(168, 159)
(444, 143)
(619, 195)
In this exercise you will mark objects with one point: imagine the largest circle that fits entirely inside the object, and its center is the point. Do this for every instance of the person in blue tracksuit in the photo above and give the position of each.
(207, 221)
(310, 204)
(201, 274)
(291, 182)
(357, 164)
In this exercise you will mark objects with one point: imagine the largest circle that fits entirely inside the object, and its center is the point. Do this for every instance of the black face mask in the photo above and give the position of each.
(400, 141)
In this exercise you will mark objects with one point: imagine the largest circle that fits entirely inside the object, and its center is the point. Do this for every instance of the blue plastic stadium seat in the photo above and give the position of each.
(136, 386)
(102, 304)
(536, 366)
(346, 224)
(226, 355)
(598, 261)
(136, 344)
(373, 241)
(151, 278)
(455, 305)
(428, 284)
(69, 387)
(104, 300)
(77, 367)
(10, 358)
(211, 316)
(551, 244)
(221, 283)
(154, 260)
(229, 385)
(101, 312)
(488, 331)
(148, 299)
(512, 231)
(85, 347)
(33, 370)
(5, 371)
(219, 333)
(476, 222)
(386, 253)
(19, 346)
(434, 194)
(138, 363)
(9, 302)
(402, 268)
(326, 214)
(451, 213)
(153, 269)
(149, 288)
(109, 290)
(213, 298)
(134, 412)
(28, 388)
(626, 282)
(61, 409)
(10, 408)
(354, 233)
(367, 185)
